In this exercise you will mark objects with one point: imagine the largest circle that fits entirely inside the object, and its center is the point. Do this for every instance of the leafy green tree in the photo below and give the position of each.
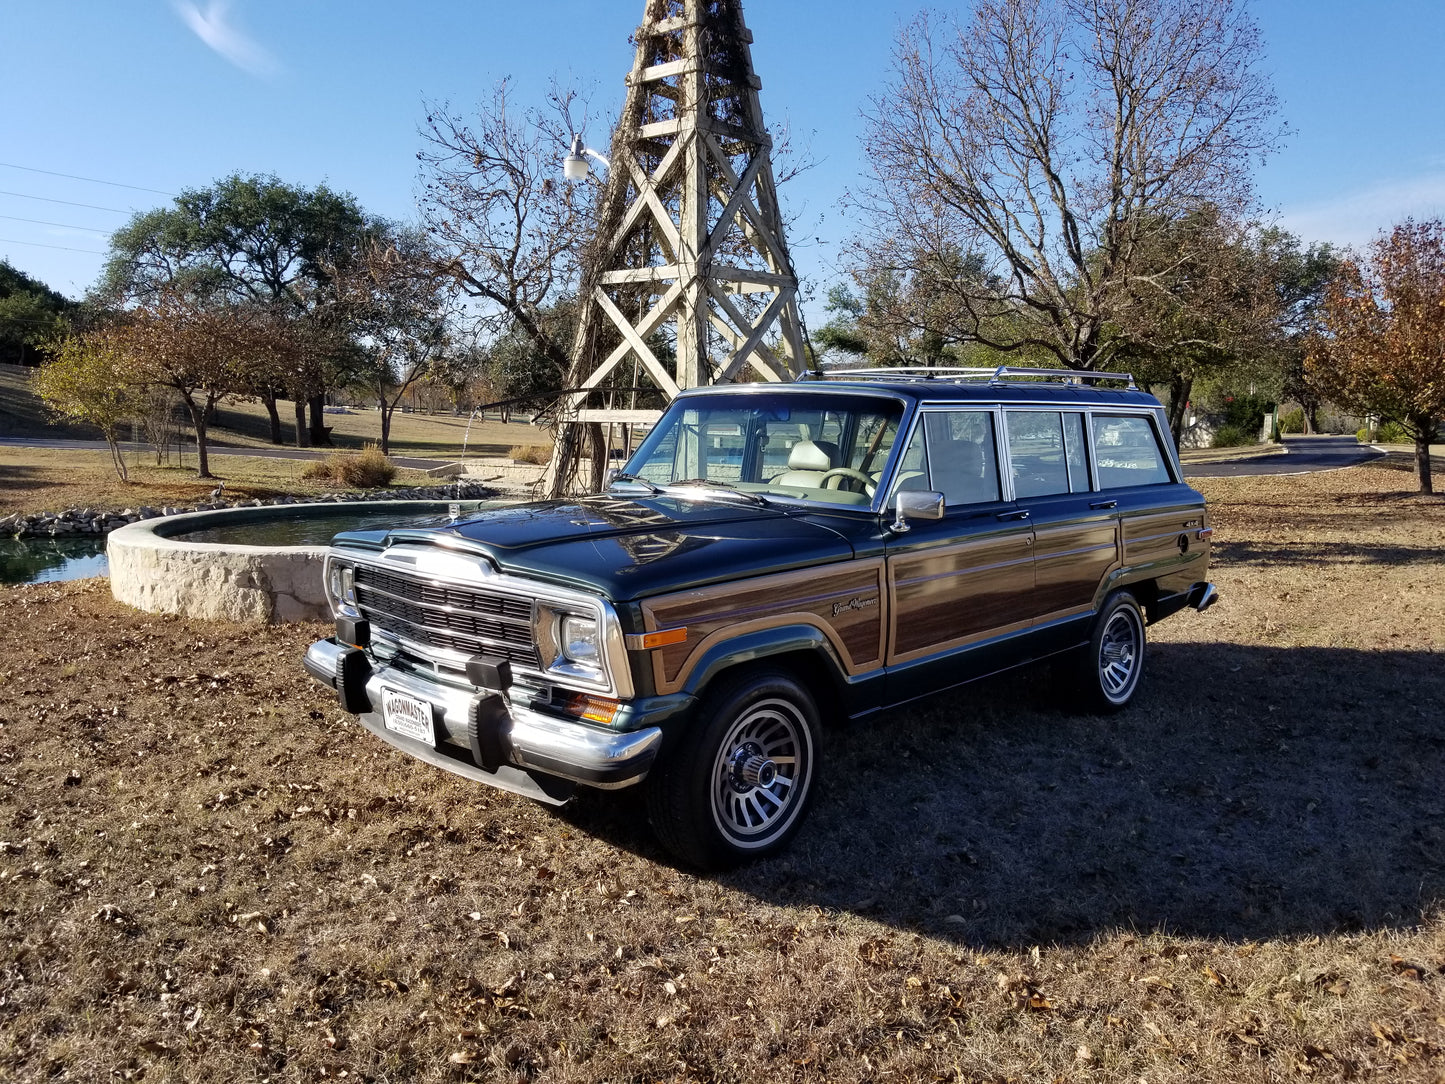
(397, 306)
(89, 378)
(1382, 350)
(1200, 302)
(31, 314)
(250, 240)
(1300, 275)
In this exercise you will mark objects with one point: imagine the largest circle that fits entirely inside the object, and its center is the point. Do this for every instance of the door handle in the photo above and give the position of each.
(1104, 504)
(1021, 514)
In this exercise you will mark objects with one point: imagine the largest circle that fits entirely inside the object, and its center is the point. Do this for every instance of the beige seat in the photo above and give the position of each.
(808, 461)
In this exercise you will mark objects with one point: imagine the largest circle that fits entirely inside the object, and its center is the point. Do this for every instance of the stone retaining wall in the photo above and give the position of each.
(225, 582)
(83, 521)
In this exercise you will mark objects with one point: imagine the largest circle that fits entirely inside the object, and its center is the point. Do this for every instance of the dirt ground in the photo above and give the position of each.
(208, 872)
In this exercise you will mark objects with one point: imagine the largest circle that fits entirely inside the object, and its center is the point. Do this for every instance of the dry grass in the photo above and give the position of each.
(209, 872)
(536, 454)
(245, 424)
(368, 469)
(52, 479)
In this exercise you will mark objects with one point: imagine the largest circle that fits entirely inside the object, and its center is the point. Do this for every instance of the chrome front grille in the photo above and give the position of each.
(456, 618)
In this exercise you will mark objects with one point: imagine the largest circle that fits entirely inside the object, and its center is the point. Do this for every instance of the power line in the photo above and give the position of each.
(91, 180)
(68, 203)
(37, 244)
(62, 225)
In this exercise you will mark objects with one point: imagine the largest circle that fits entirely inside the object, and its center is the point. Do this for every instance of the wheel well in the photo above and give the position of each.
(1145, 592)
(806, 666)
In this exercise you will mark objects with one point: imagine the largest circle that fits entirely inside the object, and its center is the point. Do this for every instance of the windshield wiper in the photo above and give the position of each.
(714, 483)
(643, 482)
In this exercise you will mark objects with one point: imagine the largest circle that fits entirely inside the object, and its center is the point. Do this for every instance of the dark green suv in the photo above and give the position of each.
(769, 556)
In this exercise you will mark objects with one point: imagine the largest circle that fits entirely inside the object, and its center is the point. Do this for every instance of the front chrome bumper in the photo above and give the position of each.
(527, 752)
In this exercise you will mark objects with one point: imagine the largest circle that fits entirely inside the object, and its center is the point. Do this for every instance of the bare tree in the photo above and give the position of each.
(512, 231)
(1049, 138)
(1383, 350)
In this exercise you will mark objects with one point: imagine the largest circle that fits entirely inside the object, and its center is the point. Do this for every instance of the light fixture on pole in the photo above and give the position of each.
(575, 166)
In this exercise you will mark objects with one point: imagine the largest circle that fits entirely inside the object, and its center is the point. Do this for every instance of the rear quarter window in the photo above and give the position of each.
(1127, 452)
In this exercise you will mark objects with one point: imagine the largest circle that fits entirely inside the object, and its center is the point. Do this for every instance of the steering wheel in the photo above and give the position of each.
(869, 487)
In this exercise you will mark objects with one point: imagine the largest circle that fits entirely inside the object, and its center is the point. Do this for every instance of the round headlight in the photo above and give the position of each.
(579, 641)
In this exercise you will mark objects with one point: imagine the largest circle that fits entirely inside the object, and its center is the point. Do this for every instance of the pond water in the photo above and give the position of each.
(46, 560)
(43, 560)
(312, 529)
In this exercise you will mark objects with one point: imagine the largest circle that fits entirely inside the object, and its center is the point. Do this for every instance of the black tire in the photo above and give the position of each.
(1108, 671)
(739, 781)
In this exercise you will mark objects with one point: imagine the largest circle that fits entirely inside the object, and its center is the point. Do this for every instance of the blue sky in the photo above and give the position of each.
(169, 94)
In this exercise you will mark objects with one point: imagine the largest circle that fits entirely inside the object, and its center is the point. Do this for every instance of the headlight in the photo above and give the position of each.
(341, 585)
(579, 641)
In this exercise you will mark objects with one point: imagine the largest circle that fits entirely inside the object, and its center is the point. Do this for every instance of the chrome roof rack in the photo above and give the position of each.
(998, 375)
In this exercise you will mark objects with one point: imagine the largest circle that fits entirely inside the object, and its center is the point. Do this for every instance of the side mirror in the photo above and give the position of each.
(915, 504)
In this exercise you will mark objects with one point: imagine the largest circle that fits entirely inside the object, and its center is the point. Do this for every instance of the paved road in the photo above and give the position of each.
(1304, 455)
(269, 452)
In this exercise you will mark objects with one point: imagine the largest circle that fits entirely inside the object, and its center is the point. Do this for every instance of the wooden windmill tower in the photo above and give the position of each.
(689, 281)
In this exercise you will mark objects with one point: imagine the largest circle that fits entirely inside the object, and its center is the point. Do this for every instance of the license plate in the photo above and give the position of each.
(407, 716)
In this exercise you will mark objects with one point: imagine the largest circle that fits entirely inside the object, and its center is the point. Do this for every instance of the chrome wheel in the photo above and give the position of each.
(737, 785)
(761, 773)
(1120, 655)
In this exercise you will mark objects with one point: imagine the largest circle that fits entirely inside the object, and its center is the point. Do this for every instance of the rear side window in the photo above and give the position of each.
(1037, 453)
(1127, 452)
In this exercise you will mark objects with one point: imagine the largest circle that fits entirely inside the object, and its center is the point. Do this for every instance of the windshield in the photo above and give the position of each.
(816, 447)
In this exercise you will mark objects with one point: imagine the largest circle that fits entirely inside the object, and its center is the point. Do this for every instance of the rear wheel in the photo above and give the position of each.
(738, 784)
(1109, 669)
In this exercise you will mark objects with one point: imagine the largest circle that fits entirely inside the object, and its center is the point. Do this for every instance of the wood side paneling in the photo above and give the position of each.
(1071, 560)
(846, 603)
(948, 596)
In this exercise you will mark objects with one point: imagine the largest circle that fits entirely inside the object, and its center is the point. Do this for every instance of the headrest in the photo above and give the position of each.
(805, 455)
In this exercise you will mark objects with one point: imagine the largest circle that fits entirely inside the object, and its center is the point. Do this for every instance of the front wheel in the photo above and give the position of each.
(739, 782)
(1109, 669)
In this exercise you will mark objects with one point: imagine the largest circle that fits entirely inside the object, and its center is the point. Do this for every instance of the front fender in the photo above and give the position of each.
(763, 644)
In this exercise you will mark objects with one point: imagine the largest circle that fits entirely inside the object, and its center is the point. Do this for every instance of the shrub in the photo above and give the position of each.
(1386, 433)
(1292, 421)
(1393, 433)
(1233, 436)
(324, 470)
(1247, 412)
(369, 470)
(538, 454)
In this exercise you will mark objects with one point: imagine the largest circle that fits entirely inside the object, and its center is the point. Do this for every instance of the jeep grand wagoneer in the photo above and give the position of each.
(772, 555)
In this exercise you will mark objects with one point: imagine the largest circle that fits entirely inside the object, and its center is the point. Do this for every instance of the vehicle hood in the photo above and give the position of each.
(628, 548)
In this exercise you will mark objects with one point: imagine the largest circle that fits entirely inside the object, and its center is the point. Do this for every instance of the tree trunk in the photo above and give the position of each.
(598, 440)
(268, 396)
(198, 420)
(1424, 432)
(1180, 388)
(303, 435)
(117, 458)
(564, 461)
(318, 420)
(386, 412)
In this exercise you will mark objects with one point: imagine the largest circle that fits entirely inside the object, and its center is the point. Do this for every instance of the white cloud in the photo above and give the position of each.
(1357, 218)
(213, 27)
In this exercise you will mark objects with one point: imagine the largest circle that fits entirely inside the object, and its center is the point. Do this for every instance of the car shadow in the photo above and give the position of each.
(1249, 792)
